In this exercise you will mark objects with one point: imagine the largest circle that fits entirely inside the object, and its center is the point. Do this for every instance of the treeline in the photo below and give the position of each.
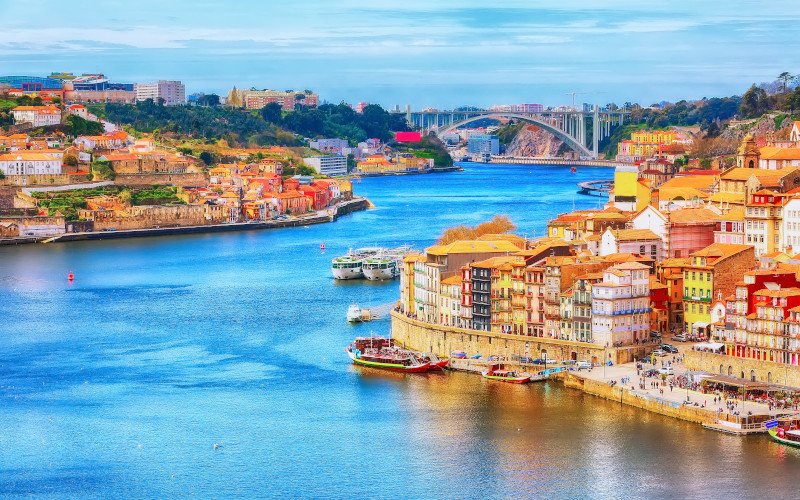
(248, 128)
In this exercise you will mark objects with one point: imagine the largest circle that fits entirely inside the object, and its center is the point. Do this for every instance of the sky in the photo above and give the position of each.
(436, 53)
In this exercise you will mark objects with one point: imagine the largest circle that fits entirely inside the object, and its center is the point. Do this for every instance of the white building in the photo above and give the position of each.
(654, 220)
(27, 163)
(173, 92)
(791, 226)
(38, 116)
(621, 305)
(328, 165)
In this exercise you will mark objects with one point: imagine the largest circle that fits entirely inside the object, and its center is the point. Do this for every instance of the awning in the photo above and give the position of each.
(737, 382)
(701, 324)
(714, 346)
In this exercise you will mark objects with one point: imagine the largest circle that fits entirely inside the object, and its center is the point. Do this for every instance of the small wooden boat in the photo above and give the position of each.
(495, 372)
(785, 430)
(437, 364)
(459, 354)
(573, 170)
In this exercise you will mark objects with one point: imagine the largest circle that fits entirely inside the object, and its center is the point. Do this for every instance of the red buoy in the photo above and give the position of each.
(71, 276)
(322, 246)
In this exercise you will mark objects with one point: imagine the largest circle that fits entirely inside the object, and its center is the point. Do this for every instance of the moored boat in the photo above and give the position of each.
(374, 263)
(378, 352)
(354, 314)
(347, 267)
(785, 430)
(437, 364)
(381, 268)
(496, 372)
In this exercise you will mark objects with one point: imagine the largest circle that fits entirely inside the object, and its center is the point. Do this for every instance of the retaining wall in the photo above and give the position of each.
(764, 371)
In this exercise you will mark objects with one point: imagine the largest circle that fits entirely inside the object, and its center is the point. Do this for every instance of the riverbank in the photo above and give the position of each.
(442, 170)
(647, 393)
(328, 215)
(513, 160)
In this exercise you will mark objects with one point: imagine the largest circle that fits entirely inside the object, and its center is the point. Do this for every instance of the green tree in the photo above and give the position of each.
(209, 100)
(792, 101)
(103, 169)
(206, 158)
(125, 196)
(271, 113)
(70, 160)
(786, 77)
(754, 102)
(56, 100)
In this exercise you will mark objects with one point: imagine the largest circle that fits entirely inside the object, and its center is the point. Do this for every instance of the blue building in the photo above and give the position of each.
(31, 83)
(484, 144)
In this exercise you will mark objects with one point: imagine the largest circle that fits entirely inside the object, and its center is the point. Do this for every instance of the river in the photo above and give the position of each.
(122, 383)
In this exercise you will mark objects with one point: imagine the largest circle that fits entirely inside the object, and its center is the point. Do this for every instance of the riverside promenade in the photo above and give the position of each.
(667, 398)
(328, 214)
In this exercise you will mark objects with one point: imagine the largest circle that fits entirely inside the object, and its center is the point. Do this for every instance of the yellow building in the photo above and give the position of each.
(411, 163)
(711, 275)
(646, 143)
(630, 194)
(375, 164)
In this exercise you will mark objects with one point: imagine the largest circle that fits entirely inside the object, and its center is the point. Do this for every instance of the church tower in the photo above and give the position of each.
(748, 154)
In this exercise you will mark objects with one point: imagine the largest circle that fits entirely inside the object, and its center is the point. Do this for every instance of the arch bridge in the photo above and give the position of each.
(571, 126)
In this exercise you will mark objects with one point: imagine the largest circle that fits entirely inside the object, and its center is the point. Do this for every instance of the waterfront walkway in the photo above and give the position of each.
(328, 214)
(675, 396)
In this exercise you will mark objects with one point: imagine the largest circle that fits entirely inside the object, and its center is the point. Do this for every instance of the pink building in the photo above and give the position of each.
(730, 227)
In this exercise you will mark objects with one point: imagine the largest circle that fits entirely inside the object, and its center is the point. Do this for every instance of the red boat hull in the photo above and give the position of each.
(438, 366)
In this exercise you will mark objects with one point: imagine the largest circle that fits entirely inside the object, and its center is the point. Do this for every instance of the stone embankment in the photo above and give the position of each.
(417, 335)
(329, 215)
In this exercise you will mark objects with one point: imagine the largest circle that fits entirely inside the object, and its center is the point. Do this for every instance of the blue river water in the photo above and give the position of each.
(212, 366)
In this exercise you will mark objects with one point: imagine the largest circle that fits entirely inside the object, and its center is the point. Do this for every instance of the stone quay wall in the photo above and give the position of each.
(442, 340)
(764, 371)
(653, 404)
(32, 180)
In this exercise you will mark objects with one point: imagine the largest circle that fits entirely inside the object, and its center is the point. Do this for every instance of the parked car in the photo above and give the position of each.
(667, 370)
(669, 348)
(679, 337)
(659, 352)
(655, 334)
(583, 365)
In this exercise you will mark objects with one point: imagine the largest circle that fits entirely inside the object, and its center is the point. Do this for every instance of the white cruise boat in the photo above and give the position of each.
(347, 267)
(383, 264)
(381, 267)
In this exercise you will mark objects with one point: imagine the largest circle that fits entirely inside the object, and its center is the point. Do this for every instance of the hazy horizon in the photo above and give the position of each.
(441, 54)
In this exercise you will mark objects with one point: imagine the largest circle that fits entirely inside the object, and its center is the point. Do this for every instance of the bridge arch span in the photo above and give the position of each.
(570, 140)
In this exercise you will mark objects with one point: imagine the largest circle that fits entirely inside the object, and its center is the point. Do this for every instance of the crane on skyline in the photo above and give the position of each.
(573, 94)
